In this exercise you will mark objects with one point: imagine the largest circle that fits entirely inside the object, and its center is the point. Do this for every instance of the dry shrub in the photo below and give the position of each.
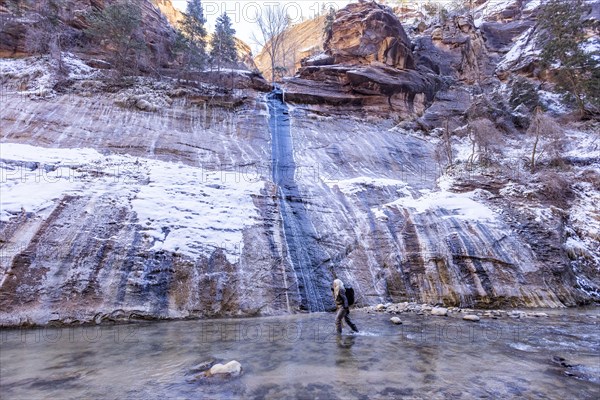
(487, 139)
(556, 189)
(591, 176)
(548, 138)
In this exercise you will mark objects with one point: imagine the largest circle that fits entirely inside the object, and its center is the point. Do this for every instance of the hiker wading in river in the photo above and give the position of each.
(341, 301)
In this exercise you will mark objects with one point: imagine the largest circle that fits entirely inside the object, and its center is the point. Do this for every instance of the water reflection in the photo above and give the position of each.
(301, 356)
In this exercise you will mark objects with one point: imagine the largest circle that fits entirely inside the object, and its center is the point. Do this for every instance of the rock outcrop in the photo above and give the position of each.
(368, 64)
(159, 20)
(18, 18)
(367, 32)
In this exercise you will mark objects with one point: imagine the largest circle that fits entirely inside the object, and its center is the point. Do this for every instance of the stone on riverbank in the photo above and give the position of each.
(440, 311)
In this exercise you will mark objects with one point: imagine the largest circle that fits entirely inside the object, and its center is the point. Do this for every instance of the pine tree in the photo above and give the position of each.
(120, 24)
(194, 32)
(223, 50)
(577, 73)
(328, 29)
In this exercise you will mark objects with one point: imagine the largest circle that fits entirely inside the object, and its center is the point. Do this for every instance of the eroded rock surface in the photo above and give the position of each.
(158, 200)
(368, 64)
(368, 32)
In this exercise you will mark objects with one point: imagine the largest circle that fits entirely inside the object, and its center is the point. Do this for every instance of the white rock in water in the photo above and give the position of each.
(379, 307)
(441, 311)
(396, 320)
(232, 368)
(539, 314)
(471, 317)
(517, 314)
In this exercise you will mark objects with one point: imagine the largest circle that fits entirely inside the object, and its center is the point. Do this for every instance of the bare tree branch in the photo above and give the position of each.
(273, 23)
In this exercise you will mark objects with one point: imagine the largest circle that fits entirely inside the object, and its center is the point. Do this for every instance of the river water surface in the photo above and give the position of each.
(554, 357)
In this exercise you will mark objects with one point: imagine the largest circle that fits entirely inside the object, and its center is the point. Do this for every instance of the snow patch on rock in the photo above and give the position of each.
(181, 209)
(459, 205)
(363, 183)
(33, 76)
(524, 47)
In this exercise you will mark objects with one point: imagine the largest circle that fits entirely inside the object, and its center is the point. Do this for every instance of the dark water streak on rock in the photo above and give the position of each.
(300, 235)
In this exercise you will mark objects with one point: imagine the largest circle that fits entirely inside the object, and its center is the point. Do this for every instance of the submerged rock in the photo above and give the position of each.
(203, 366)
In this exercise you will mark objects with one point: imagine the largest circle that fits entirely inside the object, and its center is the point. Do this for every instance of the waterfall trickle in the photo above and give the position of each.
(305, 254)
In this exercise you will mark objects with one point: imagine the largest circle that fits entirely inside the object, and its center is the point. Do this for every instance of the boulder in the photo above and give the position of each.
(231, 369)
(439, 311)
(380, 307)
(380, 37)
(318, 60)
(145, 105)
(396, 321)
(471, 317)
(517, 314)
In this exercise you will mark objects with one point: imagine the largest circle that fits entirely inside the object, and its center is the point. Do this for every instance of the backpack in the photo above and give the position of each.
(350, 296)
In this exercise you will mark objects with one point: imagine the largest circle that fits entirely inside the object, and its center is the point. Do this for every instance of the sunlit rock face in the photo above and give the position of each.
(368, 32)
(159, 21)
(368, 64)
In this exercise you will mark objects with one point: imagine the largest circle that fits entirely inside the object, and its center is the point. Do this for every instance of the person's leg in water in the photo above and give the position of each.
(349, 322)
(342, 314)
(339, 316)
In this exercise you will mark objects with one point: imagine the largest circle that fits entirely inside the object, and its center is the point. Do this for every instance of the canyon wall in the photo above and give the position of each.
(160, 200)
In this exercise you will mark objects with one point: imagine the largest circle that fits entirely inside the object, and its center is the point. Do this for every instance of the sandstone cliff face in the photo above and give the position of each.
(369, 32)
(174, 214)
(159, 200)
(302, 40)
(19, 16)
(368, 64)
(173, 15)
(159, 19)
(89, 254)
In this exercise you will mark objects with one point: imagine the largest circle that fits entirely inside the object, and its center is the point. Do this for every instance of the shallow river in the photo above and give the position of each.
(556, 357)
